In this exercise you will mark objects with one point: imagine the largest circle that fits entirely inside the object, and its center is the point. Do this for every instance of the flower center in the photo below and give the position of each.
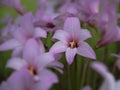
(32, 70)
(50, 25)
(73, 44)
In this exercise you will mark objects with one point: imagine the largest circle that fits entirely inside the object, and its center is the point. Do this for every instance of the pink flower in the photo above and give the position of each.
(36, 64)
(109, 80)
(23, 80)
(110, 34)
(22, 33)
(72, 40)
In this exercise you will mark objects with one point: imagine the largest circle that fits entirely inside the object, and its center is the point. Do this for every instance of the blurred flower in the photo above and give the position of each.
(106, 20)
(21, 33)
(72, 40)
(36, 64)
(109, 82)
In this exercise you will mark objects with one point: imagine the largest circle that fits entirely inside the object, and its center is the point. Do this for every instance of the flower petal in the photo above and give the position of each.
(47, 79)
(39, 32)
(70, 54)
(62, 35)
(16, 63)
(85, 50)
(58, 47)
(31, 50)
(21, 80)
(84, 34)
(9, 45)
(109, 82)
(17, 52)
(72, 26)
(44, 59)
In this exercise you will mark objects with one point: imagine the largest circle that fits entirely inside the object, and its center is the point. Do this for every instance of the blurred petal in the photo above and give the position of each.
(109, 81)
(10, 44)
(16, 4)
(16, 63)
(62, 35)
(17, 52)
(85, 50)
(31, 50)
(72, 26)
(39, 32)
(44, 60)
(58, 47)
(84, 34)
(99, 67)
(26, 22)
(117, 86)
(21, 80)
(70, 54)
(47, 80)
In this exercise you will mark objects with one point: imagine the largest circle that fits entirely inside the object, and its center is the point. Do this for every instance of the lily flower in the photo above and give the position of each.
(72, 40)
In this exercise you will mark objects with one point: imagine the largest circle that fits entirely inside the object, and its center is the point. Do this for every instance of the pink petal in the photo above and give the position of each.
(99, 67)
(39, 32)
(16, 4)
(47, 79)
(17, 52)
(117, 85)
(21, 80)
(58, 47)
(62, 36)
(44, 59)
(70, 54)
(4, 86)
(26, 22)
(72, 26)
(84, 34)
(19, 34)
(31, 50)
(85, 50)
(16, 63)
(109, 82)
(9, 45)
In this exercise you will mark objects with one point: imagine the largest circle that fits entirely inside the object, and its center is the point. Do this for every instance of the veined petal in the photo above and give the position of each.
(9, 45)
(39, 32)
(16, 63)
(58, 47)
(85, 50)
(84, 34)
(31, 50)
(72, 26)
(62, 35)
(70, 54)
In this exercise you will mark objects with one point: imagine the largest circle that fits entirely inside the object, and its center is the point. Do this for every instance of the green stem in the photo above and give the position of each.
(105, 54)
(84, 73)
(69, 77)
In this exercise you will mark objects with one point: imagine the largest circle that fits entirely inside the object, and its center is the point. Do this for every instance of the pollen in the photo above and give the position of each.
(73, 44)
(32, 70)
